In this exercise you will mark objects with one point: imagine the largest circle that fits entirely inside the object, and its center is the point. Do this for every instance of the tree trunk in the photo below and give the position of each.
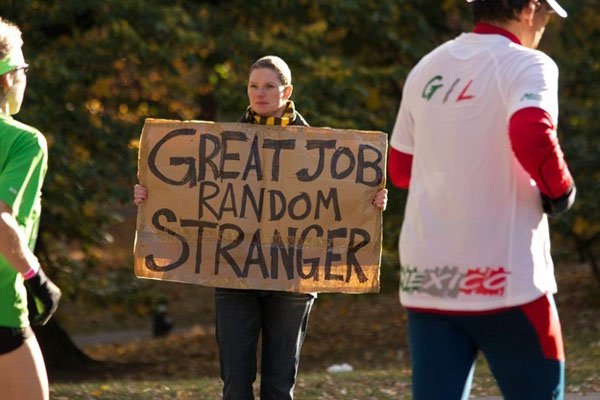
(60, 353)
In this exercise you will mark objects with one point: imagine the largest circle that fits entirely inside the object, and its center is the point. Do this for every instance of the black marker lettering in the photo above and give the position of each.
(190, 174)
(259, 259)
(304, 197)
(342, 151)
(321, 145)
(352, 249)
(314, 262)
(278, 145)
(223, 251)
(332, 257)
(363, 164)
(287, 256)
(207, 159)
(204, 196)
(226, 137)
(185, 248)
(200, 225)
(276, 215)
(332, 197)
(253, 162)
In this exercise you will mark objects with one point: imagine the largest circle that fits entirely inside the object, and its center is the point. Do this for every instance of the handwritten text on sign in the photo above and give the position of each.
(261, 207)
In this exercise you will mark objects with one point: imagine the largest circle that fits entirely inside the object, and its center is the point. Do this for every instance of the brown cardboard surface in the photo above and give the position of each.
(261, 207)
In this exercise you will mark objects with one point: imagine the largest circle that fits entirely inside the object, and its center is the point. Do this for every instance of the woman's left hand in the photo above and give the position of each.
(380, 199)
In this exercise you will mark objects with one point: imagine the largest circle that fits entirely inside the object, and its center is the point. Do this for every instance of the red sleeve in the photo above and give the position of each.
(399, 168)
(536, 147)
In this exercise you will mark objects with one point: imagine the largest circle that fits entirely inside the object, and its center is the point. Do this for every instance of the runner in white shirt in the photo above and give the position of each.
(475, 142)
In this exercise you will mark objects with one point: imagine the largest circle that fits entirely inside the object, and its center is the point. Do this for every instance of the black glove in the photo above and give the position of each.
(45, 295)
(557, 206)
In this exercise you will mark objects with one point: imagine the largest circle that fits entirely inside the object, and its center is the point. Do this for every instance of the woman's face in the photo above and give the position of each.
(266, 93)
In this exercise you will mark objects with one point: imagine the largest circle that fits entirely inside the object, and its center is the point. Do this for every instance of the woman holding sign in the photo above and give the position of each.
(243, 314)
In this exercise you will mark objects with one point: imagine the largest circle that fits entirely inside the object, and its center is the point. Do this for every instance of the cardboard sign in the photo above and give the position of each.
(260, 207)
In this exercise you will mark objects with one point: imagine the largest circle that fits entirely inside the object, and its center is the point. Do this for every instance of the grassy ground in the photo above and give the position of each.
(367, 331)
(389, 383)
(380, 384)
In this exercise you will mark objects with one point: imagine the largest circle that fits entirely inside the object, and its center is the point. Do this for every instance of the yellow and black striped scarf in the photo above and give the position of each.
(286, 119)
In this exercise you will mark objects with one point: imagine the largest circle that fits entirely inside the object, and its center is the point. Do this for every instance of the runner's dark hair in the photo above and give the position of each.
(497, 10)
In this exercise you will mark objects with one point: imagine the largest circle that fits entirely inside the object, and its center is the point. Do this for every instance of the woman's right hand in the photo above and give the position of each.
(380, 199)
(140, 194)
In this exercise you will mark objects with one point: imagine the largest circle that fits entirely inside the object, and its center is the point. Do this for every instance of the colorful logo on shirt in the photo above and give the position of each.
(437, 82)
(449, 282)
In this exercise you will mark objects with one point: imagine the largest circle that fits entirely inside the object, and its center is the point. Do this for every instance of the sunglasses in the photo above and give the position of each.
(24, 68)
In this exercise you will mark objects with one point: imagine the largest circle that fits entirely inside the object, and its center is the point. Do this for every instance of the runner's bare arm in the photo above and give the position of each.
(13, 245)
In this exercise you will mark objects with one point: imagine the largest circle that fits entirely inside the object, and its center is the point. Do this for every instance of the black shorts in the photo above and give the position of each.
(12, 338)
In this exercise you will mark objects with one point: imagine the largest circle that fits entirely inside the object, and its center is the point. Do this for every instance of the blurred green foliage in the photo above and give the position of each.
(100, 67)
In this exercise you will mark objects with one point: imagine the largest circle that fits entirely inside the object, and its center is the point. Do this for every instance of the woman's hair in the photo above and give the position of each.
(497, 10)
(276, 64)
(10, 38)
